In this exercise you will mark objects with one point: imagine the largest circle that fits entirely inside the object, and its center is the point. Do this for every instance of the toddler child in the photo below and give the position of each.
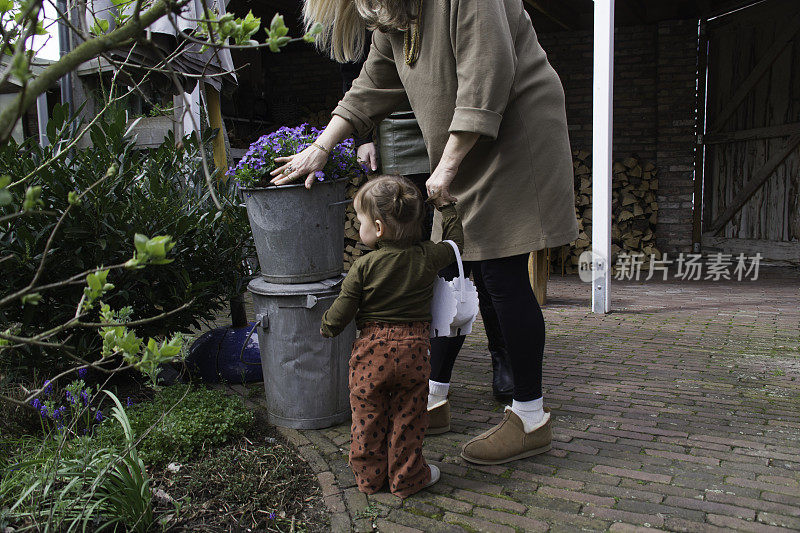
(389, 292)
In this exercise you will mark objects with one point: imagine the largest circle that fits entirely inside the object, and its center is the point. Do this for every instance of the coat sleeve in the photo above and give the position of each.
(344, 308)
(483, 42)
(376, 92)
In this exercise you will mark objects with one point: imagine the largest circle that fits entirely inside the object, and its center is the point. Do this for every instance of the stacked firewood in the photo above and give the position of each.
(634, 209)
(353, 249)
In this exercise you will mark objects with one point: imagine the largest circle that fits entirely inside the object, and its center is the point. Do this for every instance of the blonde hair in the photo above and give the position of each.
(396, 202)
(345, 23)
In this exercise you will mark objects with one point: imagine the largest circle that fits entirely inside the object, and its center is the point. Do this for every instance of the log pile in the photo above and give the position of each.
(634, 209)
(353, 249)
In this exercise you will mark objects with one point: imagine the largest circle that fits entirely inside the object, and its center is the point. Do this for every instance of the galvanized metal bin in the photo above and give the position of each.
(298, 232)
(305, 374)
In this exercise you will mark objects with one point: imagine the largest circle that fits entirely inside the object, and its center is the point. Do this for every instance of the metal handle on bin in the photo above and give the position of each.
(263, 321)
(310, 301)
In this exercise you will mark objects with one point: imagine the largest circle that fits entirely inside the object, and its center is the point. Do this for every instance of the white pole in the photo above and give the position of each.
(42, 116)
(603, 136)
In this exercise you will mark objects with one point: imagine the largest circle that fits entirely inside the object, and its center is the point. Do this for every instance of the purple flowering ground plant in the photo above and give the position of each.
(254, 168)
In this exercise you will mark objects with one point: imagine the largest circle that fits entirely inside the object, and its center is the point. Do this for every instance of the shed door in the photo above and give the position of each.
(751, 192)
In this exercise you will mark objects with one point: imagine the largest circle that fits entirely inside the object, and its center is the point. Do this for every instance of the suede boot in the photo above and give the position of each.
(508, 441)
(439, 419)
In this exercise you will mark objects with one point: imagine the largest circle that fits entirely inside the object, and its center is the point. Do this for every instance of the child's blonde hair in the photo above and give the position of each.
(396, 202)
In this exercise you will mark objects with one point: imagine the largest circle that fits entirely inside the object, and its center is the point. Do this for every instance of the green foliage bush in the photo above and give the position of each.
(157, 192)
(197, 417)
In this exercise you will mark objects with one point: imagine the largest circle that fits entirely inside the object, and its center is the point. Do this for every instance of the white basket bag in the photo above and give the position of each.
(455, 303)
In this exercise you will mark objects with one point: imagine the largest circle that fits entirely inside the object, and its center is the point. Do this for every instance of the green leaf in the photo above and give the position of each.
(20, 67)
(6, 5)
(32, 198)
(32, 298)
(140, 241)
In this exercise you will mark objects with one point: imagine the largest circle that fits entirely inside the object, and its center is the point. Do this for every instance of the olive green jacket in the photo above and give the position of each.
(394, 283)
(481, 69)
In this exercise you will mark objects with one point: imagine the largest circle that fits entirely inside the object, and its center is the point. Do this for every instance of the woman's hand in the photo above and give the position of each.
(304, 163)
(368, 156)
(438, 185)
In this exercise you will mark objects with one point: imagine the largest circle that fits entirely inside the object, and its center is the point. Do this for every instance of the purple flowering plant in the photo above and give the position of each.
(254, 168)
(70, 412)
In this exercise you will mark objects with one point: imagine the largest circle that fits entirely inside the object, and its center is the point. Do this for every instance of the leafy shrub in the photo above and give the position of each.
(196, 417)
(157, 192)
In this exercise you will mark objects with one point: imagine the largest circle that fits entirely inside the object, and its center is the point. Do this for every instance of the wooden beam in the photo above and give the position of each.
(560, 14)
(754, 184)
(539, 273)
(761, 68)
(754, 134)
(772, 250)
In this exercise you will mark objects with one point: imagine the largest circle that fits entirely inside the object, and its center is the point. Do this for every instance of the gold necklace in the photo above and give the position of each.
(411, 39)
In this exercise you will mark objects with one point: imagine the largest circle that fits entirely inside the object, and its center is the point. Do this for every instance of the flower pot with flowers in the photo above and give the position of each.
(298, 232)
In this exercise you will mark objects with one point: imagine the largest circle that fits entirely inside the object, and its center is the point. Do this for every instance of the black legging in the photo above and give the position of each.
(506, 281)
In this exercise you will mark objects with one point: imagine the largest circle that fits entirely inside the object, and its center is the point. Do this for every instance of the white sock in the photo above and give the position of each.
(531, 413)
(437, 392)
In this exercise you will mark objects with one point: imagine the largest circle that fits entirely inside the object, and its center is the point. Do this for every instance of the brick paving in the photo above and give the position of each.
(678, 411)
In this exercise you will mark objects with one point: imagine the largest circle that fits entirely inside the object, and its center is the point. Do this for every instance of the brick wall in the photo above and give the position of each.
(654, 109)
(654, 102)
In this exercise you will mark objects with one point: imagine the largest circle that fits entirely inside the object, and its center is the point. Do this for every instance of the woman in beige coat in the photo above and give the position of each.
(491, 110)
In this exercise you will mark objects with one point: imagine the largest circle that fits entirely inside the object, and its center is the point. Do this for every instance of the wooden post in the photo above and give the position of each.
(700, 154)
(539, 272)
(215, 121)
(603, 136)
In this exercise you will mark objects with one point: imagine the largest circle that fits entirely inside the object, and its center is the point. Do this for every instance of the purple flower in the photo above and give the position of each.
(99, 416)
(128, 402)
(70, 398)
(82, 373)
(47, 387)
(36, 403)
(320, 175)
(43, 411)
(85, 397)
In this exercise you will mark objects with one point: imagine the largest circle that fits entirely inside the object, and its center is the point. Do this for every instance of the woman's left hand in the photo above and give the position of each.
(438, 185)
(302, 164)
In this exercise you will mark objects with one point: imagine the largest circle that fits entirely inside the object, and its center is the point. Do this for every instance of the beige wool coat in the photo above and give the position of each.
(481, 69)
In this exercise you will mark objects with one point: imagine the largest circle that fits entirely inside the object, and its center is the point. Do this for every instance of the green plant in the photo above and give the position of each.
(160, 192)
(182, 420)
(72, 483)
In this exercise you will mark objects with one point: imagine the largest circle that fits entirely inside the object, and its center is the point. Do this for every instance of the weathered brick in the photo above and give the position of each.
(711, 507)
(520, 522)
(576, 496)
(744, 525)
(385, 526)
(491, 502)
(477, 524)
(622, 516)
(633, 474)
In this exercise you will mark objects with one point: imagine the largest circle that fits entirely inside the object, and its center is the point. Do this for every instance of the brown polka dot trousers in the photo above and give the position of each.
(389, 371)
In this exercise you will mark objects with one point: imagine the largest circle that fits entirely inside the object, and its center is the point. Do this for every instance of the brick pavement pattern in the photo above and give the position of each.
(678, 411)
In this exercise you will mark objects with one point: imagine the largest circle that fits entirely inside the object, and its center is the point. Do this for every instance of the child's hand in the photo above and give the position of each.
(440, 200)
